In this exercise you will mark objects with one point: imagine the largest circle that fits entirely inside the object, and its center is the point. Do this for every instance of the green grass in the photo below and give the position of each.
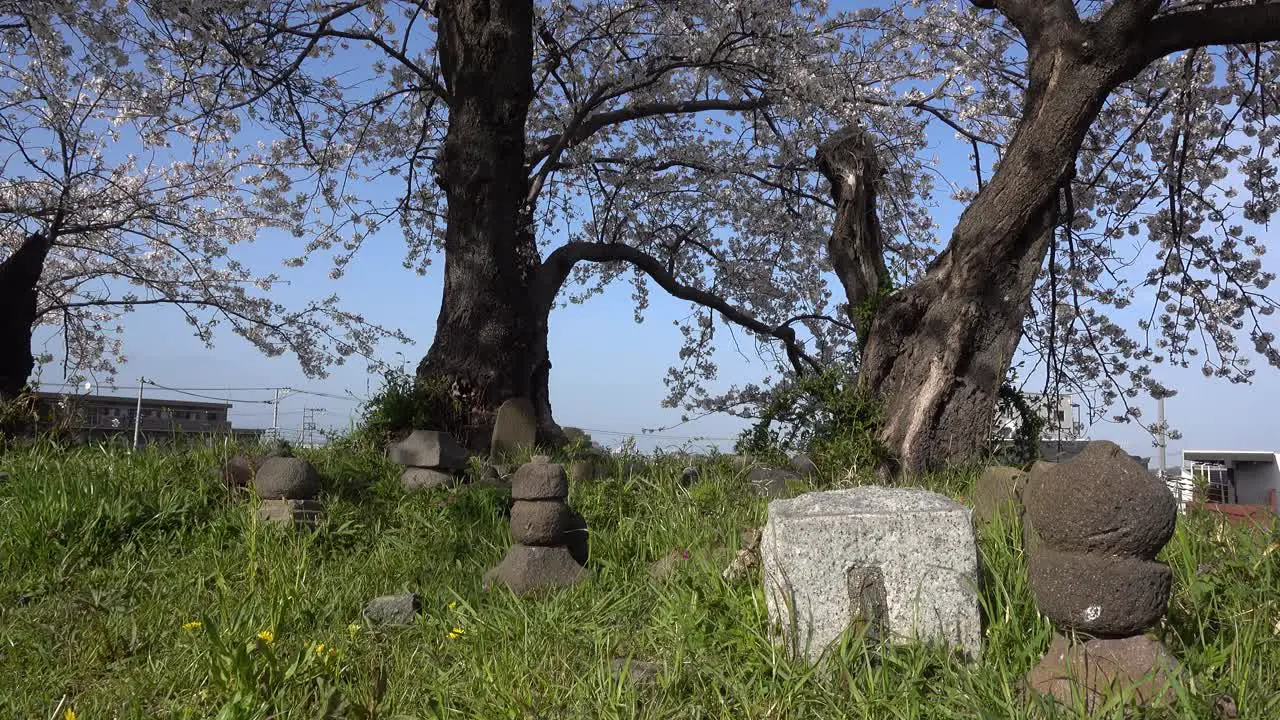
(104, 556)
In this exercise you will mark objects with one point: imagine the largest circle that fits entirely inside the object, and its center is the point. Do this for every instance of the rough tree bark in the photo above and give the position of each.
(856, 249)
(19, 289)
(937, 350)
(491, 334)
(485, 337)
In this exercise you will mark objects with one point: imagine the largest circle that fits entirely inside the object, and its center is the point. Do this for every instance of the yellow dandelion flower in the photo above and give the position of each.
(455, 633)
(68, 714)
(453, 605)
(353, 629)
(320, 649)
(267, 636)
(189, 626)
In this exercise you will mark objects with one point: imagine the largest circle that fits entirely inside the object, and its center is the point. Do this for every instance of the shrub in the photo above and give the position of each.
(824, 414)
(404, 403)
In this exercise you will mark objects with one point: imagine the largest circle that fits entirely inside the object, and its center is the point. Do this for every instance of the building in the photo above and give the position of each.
(1241, 483)
(1061, 418)
(98, 417)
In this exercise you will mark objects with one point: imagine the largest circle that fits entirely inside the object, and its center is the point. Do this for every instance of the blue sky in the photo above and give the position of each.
(607, 370)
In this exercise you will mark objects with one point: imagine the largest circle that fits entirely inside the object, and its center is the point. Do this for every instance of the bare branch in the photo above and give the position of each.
(561, 261)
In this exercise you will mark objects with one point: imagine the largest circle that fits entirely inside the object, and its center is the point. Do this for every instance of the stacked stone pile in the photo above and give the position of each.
(549, 548)
(1101, 519)
(288, 488)
(430, 458)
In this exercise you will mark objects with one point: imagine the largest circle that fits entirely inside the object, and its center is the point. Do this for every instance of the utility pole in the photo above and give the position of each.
(275, 417)
(137, 413)
(1163, 437)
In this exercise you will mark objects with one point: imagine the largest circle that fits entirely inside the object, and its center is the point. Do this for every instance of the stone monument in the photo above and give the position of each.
(901, 563)
(549, 548)
(1100, 519)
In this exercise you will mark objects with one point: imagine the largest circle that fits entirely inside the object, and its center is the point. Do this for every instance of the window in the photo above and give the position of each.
(211, 416)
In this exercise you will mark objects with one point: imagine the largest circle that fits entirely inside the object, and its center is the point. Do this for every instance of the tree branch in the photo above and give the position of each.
(856, 248)
(556, 269)
(593, 123)
(1235, 25)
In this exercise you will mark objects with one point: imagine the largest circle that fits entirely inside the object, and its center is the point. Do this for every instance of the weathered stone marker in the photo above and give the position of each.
(1101, 519)
(288, 487)
(903, 562)
(550, 539)
(431, 459)
(515, 426)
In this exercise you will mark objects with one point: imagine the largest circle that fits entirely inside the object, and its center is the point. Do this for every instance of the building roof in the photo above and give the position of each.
(146, 401)
(1266, 456)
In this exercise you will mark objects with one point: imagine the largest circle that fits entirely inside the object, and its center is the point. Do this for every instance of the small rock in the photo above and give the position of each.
(640, 671)
(526, 570)
(770, 482)
(515, 426)
(393, 610)
(1225, 708)
(237, 472)
(429, 449)
(804, 465)
(689, 476)
(299, 514)
(417, 478)
(286, 478)
(539, 522)
(539, 481)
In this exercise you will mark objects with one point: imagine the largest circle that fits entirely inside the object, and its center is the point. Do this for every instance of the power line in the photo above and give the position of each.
(191, 389)
(656, 437)
(205, 397)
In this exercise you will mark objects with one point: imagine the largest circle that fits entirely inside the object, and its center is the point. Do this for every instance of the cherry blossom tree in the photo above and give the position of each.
(733, 153)
(1107, 121)
(122, 186)
(571, 144)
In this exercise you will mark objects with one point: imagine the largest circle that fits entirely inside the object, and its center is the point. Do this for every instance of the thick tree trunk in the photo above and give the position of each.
(488, 338)
(939, 349)
(19, 290)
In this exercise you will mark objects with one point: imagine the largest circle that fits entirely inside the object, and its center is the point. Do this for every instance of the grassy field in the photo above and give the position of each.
(132, 586)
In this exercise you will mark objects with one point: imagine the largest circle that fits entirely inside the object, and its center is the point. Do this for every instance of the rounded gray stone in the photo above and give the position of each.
(1101, 501)
(1099, 595)
(286, 478)
(393, 610)
(416, 478)
(539, 481)
(689, 476)
(540, 522)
